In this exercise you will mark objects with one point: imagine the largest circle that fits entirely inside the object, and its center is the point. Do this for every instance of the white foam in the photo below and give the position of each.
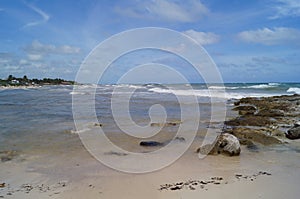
(78, 93)
(293, 90)
(210, 93)
(261, 86)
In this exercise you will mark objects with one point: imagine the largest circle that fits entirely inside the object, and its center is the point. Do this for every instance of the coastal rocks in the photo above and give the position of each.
(245, 110)
(269, 124)
(270, 113)
(225, 144)
(249, 135)
(250, 120)
(293, 133)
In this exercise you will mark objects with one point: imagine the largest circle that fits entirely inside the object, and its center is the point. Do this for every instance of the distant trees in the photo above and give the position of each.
(11, 80)
(10, 77)
(25, 79)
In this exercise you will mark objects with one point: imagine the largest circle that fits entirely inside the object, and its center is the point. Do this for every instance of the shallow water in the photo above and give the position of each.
(36, 117)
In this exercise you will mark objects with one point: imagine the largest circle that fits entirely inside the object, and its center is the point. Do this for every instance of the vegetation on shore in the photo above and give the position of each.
(14, 81)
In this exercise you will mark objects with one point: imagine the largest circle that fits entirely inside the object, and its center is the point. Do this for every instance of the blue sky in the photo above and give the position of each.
(250, 41)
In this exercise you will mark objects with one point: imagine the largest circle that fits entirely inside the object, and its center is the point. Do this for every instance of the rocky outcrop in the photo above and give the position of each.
(245, 110)
(226, 144)
(250, 120)
(262, 136)
(266, 120)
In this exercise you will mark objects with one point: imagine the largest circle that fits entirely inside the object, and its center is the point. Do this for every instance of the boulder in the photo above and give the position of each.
(225, 144)
(293, 133)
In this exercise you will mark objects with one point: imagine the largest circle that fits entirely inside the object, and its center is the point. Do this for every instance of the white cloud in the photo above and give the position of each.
(287, 8)
(166, 10)
(37, 48)
(45, 17)
(203, 38)
(279, 35)
(34, 57)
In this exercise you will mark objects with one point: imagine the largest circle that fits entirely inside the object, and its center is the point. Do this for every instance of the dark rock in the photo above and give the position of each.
(173, 123)
(293, 133)
(249, 120)
(2, 185)
(180, 139)
(270, 113)
(254, 135)
(175, 188)
(151, 143)
(245, 110)
(98, 124)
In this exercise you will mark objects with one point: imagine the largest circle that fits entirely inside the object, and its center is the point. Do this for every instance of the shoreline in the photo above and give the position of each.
(72, 172)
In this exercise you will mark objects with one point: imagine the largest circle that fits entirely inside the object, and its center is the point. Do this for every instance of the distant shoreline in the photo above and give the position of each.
(12, 81)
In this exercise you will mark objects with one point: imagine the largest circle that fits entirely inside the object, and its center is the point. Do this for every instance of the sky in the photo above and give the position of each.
(250, 41)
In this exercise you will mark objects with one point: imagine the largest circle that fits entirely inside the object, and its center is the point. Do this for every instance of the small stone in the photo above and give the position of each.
(175, 188)
(150, 143)
(203, 182)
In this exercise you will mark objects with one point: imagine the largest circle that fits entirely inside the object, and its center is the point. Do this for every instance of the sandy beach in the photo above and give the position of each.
(269, 173)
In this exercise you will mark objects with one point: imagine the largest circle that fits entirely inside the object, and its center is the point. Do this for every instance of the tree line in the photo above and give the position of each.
(25, 81)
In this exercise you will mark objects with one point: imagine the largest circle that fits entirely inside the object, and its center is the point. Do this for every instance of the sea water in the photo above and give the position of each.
(37, 117)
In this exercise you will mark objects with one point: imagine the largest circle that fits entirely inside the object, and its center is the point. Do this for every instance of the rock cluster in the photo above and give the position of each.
(266, 120)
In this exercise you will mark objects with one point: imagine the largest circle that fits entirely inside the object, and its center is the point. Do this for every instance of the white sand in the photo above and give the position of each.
(77, 175)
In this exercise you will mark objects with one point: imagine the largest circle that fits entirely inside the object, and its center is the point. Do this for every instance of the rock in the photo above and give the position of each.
(180, 139)
(173, 123)
(151, 143)
(245, 110)
(293, 133)
(250, 145)
(255, 135)
(98, 124)
(2, 185)
(249, 120)
(270, 113)
(229, 144)
(225, 144)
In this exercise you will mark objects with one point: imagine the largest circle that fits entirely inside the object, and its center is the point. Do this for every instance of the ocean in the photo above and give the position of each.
(36, 118)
